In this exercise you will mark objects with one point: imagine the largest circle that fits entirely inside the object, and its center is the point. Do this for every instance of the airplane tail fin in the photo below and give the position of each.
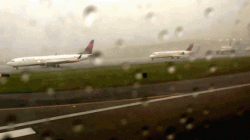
(190, 47)
(89, 48)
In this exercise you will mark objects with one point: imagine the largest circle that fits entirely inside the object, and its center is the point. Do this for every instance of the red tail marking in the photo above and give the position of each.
(90, 47)
(190, 47)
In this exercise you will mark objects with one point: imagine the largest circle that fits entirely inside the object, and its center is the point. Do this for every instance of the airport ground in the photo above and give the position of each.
(207, 108)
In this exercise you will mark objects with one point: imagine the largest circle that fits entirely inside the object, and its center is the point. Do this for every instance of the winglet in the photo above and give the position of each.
(190, 47)
(89, 48)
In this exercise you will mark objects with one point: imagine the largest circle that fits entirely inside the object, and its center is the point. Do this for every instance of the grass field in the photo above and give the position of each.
(113, 76)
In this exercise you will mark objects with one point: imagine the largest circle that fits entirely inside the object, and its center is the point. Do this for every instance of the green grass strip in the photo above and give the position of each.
(113, 76)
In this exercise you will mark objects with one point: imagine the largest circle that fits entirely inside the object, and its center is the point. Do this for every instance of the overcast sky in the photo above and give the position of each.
(63, 23)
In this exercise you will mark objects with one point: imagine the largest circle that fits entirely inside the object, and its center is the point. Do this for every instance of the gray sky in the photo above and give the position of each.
(46, 26)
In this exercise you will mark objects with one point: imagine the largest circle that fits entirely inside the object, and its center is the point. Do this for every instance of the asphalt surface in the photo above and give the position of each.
(197, 115)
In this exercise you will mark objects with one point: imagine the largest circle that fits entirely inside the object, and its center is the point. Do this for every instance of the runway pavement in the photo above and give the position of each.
(193, 115)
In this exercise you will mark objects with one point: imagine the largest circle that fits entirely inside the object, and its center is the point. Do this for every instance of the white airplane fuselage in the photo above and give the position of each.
(47, 60)
(172, 54)
(227, 49)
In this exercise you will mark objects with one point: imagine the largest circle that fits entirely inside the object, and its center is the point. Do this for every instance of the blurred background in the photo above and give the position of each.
(121, 28)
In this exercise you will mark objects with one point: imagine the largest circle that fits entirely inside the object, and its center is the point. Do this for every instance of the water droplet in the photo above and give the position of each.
(98, 61)
(50, 92)
(6, 137)
(159, 128)
(25, 77)
(134, 94)
(206, 124)
(190, 126)
(209, 55)
(138, 76)
(126, 66)
(212, 69)
(3, 80)
(124, 122)
(170, 137)
(136, 85)
(179, 31)
(32, 23)
(237, 22)
(120, 43)
(172, 88)
(209, 12)
(183, 119)
(171, 69)
(205, 111)
(189, 110)
(47, 138)
(89, 89)
(77, 128)
(89, 15)
(150, 15)
(195, 94)
(163, 35)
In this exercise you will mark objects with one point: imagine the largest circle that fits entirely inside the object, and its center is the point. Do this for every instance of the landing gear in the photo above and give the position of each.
(177, 57)
(152, 59)
(172, 57)
(57, 66)
(16, 68)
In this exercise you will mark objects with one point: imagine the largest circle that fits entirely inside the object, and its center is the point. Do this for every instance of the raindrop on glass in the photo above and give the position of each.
(189, 110)
(171, 69)
(134, 94)
(205, 111)
(3, 80)
(25, 77)
(126, 66)
(237, 22)
(77, 128)
(124, 122)
(209, 55)
(150, 15)
(98, 61)
(163, 35)
(212, 69)
(136, 85)
(120, 43)
(50, 92)
(89, 15)
(170, 136)
(209, 12)
(32, 23)
(159, 128)
(190, 126)
(179, 31)
(89, 89)
(183, 119)
(138, 76)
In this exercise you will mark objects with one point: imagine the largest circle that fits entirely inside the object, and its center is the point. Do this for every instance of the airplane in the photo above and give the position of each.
(177, 54)
(52, 60)
(227, 49)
